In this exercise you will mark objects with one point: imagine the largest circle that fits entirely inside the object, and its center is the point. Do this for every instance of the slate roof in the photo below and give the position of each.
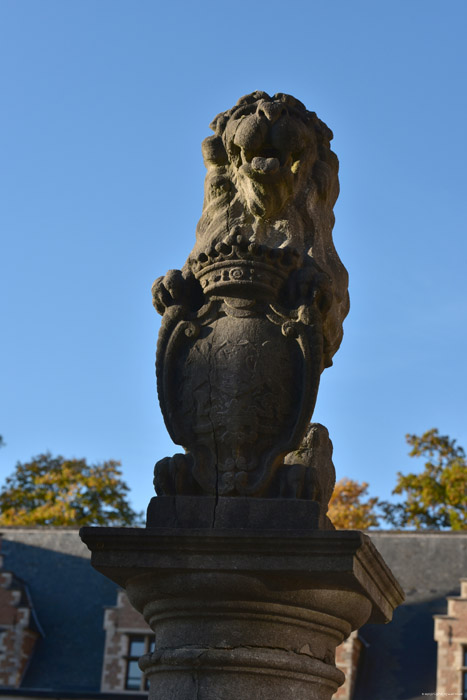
(68, 598)
(398, 661)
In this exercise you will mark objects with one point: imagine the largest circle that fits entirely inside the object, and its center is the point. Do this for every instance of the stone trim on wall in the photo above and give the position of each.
(451, 635)
(120, 622)
(18, 629)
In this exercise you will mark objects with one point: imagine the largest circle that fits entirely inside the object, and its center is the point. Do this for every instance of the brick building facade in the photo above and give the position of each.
(127, 638)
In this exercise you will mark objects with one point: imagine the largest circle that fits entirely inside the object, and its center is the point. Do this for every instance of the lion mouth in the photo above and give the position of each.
(265, 165)
(266, 161)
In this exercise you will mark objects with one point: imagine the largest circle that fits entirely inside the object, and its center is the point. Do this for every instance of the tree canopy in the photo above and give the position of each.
(436, 498)
(68, 492)
(350, 508)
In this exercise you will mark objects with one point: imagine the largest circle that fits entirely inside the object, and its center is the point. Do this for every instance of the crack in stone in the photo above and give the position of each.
(216, 451)
(195, 679)
(298, 652)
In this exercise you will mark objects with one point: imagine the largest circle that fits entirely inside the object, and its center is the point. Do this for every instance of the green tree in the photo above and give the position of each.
(350, 508)
(437, 497)
(69, 492)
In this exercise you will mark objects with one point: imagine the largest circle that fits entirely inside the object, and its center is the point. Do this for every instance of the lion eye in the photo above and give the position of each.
(243, 112)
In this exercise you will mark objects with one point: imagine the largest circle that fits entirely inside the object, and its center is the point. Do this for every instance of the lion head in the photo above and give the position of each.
(271, 145)
(272, 178)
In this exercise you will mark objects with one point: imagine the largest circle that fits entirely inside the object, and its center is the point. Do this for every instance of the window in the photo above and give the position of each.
(138, 644)
(464, 673)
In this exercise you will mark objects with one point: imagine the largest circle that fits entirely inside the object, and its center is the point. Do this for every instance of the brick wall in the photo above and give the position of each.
(119, 622)
(347, 657)
(18, 633)
(451, 635)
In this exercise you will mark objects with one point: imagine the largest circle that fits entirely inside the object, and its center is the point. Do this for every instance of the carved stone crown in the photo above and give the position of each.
(244, 268)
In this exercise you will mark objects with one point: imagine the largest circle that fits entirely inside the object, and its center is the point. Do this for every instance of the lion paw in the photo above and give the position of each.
(176, 288)
(173, 476)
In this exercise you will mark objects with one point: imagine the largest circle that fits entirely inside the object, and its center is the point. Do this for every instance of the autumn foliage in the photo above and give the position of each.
(436, 498)
(65, 492)
(350, 508)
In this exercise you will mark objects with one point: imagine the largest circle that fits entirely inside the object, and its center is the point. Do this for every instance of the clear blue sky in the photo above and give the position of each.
(104, 107)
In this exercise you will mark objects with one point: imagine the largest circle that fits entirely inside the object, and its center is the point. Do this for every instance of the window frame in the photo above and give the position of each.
(148, 641)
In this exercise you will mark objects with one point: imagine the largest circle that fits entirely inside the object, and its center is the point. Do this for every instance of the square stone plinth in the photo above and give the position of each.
(341, 559)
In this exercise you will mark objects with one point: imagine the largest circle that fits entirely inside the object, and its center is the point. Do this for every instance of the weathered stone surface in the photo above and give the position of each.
(256, 313)
(298, 494)
(245, 513)
(310, 470)
(243, 614)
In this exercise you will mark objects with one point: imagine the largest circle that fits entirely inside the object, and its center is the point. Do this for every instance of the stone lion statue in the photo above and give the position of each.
(272, 179)
(256, 313)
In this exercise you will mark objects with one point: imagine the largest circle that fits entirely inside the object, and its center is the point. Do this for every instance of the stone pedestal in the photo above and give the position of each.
(241, 614)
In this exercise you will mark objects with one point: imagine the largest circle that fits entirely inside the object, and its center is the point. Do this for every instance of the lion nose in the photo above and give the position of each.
(271, 110)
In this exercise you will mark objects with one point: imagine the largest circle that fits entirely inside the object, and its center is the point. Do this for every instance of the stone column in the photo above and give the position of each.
(239, 572)
(241, 614)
